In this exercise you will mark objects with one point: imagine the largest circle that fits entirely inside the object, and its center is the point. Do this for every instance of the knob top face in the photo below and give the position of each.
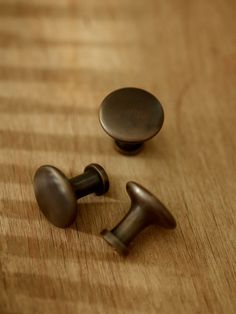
(131, 115)
(55, 196)
(152, 205)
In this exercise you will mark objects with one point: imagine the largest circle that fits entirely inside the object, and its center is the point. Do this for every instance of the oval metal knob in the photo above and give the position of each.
(131, 116)
(145, 210)
(57, 195)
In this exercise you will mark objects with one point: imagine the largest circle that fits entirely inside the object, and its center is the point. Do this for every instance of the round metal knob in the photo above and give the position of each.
(145, 210)
(131, 116)
(57, 196)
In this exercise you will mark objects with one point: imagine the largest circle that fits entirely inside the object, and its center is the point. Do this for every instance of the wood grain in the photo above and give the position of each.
(58, 60)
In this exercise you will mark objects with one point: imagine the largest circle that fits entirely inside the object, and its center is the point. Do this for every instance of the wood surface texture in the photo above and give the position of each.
(58, 60)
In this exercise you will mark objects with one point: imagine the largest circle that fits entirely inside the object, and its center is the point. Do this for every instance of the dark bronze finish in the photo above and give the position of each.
(57, 196)
(131, 116)
(145, 210)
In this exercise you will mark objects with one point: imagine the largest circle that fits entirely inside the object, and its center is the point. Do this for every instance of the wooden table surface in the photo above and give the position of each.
(58, 60)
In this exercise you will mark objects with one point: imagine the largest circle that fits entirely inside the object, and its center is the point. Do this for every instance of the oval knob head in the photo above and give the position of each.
(151, 205)
(55, 196)
(131, 115)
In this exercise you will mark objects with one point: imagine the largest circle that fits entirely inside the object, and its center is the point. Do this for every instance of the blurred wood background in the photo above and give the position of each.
(58, 60)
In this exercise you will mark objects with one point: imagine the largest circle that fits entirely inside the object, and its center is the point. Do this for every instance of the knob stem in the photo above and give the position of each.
(129, 148)
(85, 183)
(133, 223)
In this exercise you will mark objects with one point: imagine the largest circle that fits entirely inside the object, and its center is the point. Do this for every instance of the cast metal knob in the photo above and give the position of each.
(57, 195)
(131, 116)
(145, 210)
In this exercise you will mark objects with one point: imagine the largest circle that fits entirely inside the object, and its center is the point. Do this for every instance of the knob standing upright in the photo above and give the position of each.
(131, 116)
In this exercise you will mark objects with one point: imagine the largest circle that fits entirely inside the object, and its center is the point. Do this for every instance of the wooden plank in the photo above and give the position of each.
(58, 60)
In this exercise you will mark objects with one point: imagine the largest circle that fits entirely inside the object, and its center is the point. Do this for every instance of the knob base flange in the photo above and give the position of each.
(115, 242)
(127, 148)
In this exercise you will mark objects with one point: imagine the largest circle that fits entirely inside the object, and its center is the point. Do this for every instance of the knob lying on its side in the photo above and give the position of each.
(145, 210)
(131, 116)
(57, 196)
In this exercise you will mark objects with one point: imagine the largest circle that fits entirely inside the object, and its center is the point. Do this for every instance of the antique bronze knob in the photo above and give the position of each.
(145, 210)
(57, 196)
(131, 116)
